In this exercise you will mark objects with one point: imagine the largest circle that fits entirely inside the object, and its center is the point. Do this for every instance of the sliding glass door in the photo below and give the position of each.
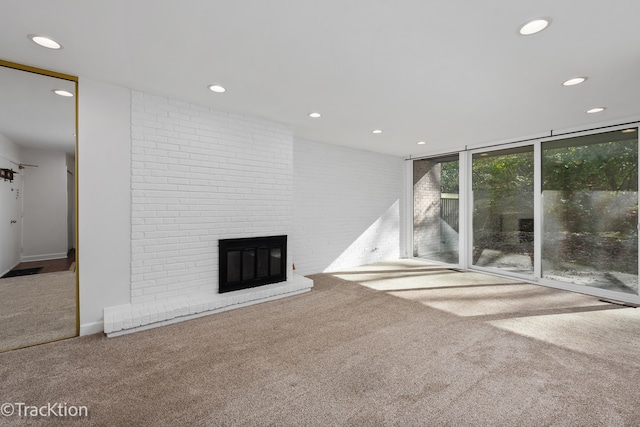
(590, 210)
(560, 211)
(502, 185)
(436, 209)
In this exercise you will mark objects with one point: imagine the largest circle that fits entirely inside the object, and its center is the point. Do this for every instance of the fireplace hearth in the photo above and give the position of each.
(250, 262)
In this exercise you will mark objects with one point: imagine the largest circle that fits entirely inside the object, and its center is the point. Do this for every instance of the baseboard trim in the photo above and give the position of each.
(43, 257)
(91, 328)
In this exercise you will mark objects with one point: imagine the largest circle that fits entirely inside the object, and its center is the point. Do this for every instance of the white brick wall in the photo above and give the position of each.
(200, 175)
(346, 209)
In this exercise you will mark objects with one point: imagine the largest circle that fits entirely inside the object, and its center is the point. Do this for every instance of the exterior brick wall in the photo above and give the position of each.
(426, 205)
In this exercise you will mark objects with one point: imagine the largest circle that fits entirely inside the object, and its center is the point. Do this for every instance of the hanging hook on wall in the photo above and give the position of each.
(7, 174)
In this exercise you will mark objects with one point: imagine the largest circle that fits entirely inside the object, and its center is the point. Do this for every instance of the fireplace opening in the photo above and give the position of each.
(250, 262)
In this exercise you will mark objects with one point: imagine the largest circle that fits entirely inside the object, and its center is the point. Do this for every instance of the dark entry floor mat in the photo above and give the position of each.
(23, 272)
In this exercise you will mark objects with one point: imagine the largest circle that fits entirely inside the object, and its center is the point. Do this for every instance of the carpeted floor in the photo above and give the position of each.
(37, 308)
(418, 345)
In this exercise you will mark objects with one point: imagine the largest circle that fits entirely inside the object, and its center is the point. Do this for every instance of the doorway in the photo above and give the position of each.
(436, 209)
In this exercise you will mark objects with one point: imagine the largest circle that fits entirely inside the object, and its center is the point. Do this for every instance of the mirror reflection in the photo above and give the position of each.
(37, 208)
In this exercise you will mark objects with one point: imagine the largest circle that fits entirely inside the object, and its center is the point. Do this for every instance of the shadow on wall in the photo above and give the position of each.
(379, 242)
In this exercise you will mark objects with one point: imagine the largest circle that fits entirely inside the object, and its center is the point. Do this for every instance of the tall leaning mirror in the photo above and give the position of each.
(38, 269)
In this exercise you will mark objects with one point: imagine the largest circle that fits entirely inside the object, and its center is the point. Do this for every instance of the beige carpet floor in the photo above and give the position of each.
(401, 343)
(37, 308)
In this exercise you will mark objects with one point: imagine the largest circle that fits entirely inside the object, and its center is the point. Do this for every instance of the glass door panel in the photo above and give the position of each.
(503, 200)
(590, 210)
(436, 209)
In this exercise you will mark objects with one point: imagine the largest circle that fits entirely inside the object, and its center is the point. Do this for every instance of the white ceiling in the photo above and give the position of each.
(32, 116)
(450, 72)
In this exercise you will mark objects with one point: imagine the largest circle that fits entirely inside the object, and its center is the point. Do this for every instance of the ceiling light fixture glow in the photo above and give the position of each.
(574, 81)
(63, 93)
(376, 131)
(595, 110)
(534, 26)
(315, 115)
(629, 130)
(43, 41)
(217, 88)
(421, 142)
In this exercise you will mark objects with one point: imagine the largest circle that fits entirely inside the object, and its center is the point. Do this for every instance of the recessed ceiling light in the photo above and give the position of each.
(534, 26)
(62, 92)
(315, 115)
(216, 88)
(629, 130)
(45, 41)
(421, 142)
(574, 81)
(595, 110)
(376, 131)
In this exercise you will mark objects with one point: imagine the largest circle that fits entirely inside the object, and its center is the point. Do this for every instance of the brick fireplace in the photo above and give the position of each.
(201, 176)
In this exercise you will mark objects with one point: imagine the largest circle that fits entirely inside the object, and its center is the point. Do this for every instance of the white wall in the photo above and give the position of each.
(44, 223)
(346, 207)
(104, 200)
(200, 175)
(10, 207)
(9, 151)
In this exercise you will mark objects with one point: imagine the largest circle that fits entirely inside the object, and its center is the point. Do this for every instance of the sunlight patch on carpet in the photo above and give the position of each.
(597, 333)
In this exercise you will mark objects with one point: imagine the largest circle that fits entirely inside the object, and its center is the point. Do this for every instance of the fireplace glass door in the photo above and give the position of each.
(246, 263)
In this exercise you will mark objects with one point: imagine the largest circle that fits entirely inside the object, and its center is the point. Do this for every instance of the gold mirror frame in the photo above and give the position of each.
(73, 79)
